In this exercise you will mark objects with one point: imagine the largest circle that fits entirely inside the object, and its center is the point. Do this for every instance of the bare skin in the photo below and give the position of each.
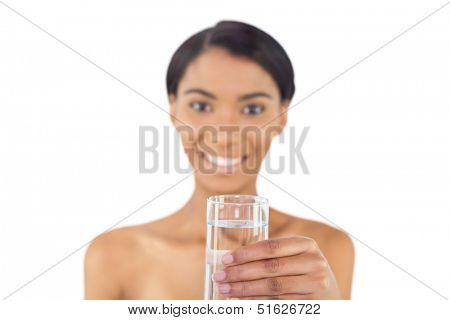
(164, 259)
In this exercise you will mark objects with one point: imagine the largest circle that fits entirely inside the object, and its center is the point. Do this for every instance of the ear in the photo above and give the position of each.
(172, 109)
(283, 114)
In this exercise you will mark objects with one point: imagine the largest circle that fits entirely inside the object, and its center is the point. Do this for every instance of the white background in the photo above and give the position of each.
(378, 149)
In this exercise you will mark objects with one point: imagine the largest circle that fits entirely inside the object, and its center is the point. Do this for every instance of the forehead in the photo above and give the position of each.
(224, 74)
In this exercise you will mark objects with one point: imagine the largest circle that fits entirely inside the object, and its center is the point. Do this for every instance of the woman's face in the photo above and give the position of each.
(221, 111)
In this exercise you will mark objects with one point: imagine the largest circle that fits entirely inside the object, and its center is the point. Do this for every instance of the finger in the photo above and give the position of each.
(302, 284)
(273, 267)
(277, 297)
(269, 249)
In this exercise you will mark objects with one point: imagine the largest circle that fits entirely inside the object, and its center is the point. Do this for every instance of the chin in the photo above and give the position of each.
(223, 184)
(219, 175)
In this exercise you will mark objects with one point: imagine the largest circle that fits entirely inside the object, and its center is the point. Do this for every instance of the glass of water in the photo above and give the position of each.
(232, 221)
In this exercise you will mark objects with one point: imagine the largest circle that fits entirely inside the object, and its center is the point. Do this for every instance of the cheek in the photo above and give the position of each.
(266, 142)
(259, 142)
(188, 136)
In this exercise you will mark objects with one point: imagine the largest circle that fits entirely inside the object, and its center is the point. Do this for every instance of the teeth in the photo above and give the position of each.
(223, 162)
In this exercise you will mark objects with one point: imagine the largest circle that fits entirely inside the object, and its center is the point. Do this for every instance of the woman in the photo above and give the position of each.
(232, 75)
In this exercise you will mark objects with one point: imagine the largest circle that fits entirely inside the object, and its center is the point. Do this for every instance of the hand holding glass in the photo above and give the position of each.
(232, 221)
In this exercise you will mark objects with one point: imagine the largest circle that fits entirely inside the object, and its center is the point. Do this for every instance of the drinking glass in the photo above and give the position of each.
(232, 221)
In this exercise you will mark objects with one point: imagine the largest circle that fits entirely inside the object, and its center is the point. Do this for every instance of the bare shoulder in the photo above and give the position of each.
(112, 243)
(107, 259)
(125, 241)
(337, 247)
(331, 237)
(326, 236)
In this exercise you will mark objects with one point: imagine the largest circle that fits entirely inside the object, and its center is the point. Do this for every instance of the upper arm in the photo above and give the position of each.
(100, 280)
(340, 253)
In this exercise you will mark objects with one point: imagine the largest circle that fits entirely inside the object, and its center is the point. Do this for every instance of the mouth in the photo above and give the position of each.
(222, 164)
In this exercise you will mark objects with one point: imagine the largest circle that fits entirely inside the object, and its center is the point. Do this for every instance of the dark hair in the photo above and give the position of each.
(240, 39)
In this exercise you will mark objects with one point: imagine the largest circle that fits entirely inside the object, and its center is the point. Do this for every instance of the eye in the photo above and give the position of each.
(200, 106)
(253, 109)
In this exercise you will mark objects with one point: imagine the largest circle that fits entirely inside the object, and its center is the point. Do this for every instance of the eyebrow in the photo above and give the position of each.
(242, 97)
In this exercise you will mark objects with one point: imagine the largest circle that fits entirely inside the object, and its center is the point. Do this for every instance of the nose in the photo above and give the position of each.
(227, 135)
(223, 132)
(226, 116)
(224, 139)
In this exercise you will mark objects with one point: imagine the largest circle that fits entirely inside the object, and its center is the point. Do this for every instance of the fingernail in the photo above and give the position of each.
(227, 258)
(219, 275)
(224, 288)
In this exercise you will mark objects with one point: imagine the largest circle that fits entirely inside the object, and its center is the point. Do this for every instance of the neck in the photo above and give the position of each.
(193, 213)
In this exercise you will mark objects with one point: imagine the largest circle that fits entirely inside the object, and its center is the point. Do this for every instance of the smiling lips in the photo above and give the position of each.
(223, 164)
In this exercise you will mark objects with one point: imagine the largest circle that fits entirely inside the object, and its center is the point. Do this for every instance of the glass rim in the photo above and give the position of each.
(257, 200)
